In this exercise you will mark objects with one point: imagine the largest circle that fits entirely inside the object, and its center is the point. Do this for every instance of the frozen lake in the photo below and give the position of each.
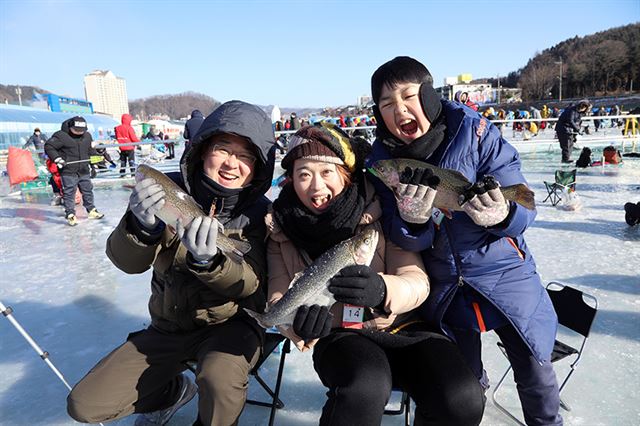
(77, 306)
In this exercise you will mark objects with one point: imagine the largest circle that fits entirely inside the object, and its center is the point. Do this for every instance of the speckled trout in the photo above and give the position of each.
(180, 205)
(311, 287)
(452, 183)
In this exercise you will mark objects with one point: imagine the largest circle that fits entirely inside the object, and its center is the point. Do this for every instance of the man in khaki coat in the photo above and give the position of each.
(197, 292)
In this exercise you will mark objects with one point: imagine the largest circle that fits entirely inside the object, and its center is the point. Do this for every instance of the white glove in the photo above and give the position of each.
(484, 202)
(200, 237)
(415, 194)
(60, 162)
(145, 201)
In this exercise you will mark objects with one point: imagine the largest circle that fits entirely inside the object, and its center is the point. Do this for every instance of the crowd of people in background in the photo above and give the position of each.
(422, 307)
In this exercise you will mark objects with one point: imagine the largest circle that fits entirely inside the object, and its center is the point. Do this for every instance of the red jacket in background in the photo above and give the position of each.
(125, 133)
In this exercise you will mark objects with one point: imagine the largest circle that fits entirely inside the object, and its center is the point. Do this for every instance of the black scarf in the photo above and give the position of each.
(317, 233)
(208, 193)
(421, 148)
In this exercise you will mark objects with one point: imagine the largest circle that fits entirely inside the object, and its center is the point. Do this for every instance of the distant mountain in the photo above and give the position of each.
(9, 94)
(602, 64)
(175, 106)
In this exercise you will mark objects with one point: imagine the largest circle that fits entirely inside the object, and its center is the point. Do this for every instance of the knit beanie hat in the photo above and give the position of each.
(78, 124)
(323, 142)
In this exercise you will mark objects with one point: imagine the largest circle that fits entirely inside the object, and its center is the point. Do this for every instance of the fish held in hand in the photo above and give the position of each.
(311, 287)
(452, 184)
(181, 206)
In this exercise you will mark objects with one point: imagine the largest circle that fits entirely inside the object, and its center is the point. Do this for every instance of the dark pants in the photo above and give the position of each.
(360, 375)
(172, 150)
(69, 184)
(566, 145)
(54, 186)
(130, 157)
(141, 375)
(537, 384)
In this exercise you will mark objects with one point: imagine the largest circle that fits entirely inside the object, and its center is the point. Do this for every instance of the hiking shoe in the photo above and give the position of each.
(72, 220)
(56, 201)
(95, 214)
(188, 390)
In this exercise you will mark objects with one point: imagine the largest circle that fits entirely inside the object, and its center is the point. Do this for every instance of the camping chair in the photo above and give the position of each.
(403, 408)
(574, 314)
(271, 342)
(564, 180)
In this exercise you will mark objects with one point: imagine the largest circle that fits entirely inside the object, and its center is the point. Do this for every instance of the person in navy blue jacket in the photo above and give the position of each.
(483, 276)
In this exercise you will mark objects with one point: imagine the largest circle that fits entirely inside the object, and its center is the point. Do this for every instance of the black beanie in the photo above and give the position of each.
(78, 124)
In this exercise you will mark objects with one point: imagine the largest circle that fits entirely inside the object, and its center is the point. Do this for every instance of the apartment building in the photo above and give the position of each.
(107, 92)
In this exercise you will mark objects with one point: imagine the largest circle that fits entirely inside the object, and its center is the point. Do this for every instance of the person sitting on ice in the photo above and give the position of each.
(197, 291)
(632, 213)
(585, 158)
(482, 274)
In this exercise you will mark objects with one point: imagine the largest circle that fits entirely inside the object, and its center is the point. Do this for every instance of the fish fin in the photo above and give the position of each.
(296, 277)
(240, 248)
(258, 317)
(523, 195)
(324, 298)
(372, 171)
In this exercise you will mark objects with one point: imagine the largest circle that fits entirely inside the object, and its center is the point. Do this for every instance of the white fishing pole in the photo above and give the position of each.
(7, 312)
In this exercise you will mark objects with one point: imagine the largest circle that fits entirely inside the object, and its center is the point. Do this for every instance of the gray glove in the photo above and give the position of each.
(200, 237)
(60, 162)
(484, 203)
(145, 201)
(415, 194)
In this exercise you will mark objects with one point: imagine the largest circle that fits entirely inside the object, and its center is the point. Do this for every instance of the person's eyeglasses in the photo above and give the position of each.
(224, 151)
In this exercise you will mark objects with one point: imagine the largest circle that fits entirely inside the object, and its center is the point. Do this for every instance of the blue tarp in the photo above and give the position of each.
(17, 123)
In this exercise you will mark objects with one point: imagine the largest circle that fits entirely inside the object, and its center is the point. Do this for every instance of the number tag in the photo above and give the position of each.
(437, 215)
(352, 316)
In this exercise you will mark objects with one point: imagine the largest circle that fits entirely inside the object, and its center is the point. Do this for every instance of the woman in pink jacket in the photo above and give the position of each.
(325, 201)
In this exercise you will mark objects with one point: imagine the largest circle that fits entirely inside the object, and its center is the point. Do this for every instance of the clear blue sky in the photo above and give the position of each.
(288, 53)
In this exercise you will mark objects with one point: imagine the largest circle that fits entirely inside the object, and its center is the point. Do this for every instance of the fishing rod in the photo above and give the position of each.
(7, 311)
(93, 160)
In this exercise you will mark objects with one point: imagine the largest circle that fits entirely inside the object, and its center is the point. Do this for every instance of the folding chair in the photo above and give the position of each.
(272, 340)
(564, 180)
(576, 311)
(403, 408)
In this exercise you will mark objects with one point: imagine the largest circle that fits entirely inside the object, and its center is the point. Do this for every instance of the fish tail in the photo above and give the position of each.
(521, 195)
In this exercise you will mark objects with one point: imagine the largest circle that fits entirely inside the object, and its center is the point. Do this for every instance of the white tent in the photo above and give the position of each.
(275, 114)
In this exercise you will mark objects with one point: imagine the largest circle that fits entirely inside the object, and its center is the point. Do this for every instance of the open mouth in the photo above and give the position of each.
(321, 201)
(226, 178)
(409, 127)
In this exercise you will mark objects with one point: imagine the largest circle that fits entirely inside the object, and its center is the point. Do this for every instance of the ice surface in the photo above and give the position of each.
(77, 306)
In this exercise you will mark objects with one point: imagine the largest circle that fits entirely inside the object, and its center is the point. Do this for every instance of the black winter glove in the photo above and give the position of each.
(358, 285)
(312, 322)
(419, 176)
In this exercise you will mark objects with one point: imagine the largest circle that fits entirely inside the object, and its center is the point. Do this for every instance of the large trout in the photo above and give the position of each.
(452, 183)
(312, 286)
(180, 205)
